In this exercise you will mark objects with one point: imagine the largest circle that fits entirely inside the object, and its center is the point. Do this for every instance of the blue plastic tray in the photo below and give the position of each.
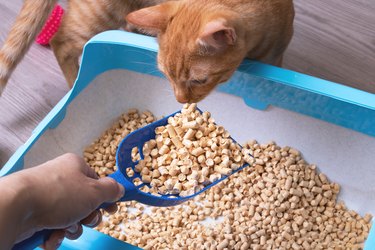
(258, 84)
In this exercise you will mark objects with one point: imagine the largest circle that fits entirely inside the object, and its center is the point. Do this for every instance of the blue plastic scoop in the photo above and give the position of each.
(132, 192)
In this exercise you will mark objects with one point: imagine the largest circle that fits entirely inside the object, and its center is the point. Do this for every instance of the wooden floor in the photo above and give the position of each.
(333, 40)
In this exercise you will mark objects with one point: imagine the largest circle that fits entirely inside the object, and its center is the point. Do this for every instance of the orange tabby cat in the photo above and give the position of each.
(202, 42)
(82, 20)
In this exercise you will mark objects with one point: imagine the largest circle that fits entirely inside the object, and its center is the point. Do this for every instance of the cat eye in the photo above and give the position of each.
(199, 81)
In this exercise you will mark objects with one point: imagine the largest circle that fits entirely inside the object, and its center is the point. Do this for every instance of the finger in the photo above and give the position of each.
(94, 219)
(109, 190)
(111, 209)
(76, 160)
(55, 240)
(91, 173)
(74, 231)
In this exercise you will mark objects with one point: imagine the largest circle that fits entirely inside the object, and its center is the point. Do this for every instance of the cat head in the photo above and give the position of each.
(200, 46)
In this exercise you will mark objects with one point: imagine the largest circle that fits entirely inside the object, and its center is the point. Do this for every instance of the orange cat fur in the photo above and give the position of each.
(82, 20)
(202, 42)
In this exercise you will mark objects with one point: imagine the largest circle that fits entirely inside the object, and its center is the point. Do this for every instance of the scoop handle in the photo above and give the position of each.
(34, 241)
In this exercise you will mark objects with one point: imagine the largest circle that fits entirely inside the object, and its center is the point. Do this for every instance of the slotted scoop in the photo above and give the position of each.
(132, 192)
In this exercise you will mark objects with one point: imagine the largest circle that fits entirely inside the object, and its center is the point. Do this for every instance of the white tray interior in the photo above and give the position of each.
(345, 156)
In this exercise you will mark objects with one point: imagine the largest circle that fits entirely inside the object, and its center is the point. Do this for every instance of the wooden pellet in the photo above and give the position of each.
(189, 134)
(164, 150)
(222, 245)
(177, 142)
(224, 171)
(197, 151)
(172, 133)
(210, 162)
(190, 125)
(367, 218)
(288, 182)
(199, 134)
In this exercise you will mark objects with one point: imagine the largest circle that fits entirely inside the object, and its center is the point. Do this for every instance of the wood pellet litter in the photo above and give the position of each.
(188, 154)
(280, 202)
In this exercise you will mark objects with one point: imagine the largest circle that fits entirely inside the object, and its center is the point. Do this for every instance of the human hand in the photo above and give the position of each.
(63, 194)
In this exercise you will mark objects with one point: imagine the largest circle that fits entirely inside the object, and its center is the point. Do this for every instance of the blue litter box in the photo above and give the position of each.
(331, 124)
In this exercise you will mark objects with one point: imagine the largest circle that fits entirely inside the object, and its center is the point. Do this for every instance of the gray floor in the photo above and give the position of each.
(334, 40)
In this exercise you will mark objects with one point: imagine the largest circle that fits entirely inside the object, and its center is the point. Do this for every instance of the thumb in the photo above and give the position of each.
(109, 189)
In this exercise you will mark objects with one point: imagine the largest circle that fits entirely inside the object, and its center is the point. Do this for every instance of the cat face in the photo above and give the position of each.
(191, 72)
(196, 51)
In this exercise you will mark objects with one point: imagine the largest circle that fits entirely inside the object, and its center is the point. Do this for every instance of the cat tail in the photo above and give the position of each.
(29, 22)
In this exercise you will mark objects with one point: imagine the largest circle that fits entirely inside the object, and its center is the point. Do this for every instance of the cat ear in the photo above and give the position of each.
(217, 36)
(152, 19)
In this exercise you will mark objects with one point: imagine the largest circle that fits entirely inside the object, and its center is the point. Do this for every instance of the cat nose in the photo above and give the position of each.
(181, 97)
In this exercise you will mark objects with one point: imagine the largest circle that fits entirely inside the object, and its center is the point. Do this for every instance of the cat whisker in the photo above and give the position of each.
(145, 63)
(153, 71)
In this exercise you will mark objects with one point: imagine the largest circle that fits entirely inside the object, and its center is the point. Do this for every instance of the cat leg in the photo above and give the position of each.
(67, 57)
(83, 20)
(267, 58)
(278, 61)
